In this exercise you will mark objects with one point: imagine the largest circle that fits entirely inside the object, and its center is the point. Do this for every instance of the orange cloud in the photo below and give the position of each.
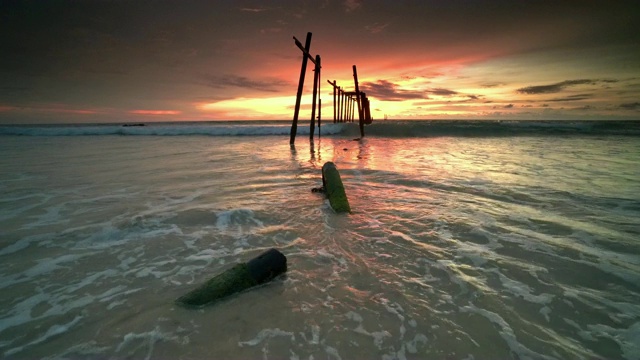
(155, 112)
(70, 111)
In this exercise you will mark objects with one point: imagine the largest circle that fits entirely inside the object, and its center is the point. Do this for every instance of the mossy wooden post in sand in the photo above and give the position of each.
(334, 189)
(256, 271)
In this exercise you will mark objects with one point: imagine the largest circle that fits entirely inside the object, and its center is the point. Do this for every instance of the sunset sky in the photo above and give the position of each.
(141, 61)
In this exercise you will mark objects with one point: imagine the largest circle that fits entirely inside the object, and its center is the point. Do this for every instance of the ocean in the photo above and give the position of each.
(467, 240)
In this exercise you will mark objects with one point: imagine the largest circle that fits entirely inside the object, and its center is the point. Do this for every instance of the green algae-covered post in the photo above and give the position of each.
(334, 189)
(243, 276)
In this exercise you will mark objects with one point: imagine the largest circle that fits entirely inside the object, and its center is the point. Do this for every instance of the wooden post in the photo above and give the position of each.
(355, 80)
(319, 94)
(347, 108)
(365, 109)
(334, 99)
(316, 71)
(303, 70)
(340, 104)
(319, 115)
(352, 109)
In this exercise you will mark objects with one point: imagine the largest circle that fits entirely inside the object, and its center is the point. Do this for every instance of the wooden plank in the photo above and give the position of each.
(304, 51)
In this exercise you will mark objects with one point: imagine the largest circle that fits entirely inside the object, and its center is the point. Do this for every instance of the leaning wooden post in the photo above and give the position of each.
(355, 80)
(303, 70)
(316, 71)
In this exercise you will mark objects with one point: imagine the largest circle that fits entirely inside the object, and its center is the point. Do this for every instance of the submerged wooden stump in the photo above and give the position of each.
(334, 189)
(243, 276)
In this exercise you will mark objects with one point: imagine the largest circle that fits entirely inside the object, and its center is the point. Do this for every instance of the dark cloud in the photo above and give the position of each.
(491, 84)
(554, 88)
(442, 92)
(388, 91)
(508, 106)
(630, 106)
(266, 85)
(573, 97)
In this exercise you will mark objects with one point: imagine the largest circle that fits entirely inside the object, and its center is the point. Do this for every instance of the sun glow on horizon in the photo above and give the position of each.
(155, 112)
(277, 107)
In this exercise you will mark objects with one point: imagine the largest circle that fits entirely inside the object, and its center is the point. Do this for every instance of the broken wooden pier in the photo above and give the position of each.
(344, 102)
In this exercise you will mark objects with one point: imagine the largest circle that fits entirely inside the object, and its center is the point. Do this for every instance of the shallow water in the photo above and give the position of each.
(523, 247)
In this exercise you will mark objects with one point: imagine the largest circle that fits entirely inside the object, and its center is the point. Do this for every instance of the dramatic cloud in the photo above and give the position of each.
(554, 88)
(266, 85)
(388, 91)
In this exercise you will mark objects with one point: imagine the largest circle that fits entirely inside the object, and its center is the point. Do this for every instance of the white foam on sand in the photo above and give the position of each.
(133, 342)
(507, 334)
(628, 339)
(522, 290)
(54, 330)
